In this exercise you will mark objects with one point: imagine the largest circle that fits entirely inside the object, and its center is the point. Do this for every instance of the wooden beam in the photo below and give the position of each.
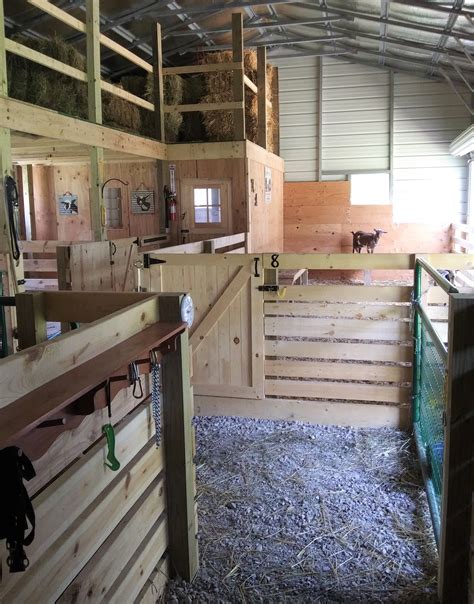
(97, 208)
(458, 463)
(5, 143)
(178, 436)
(28, 118)
(219, 307)
(231, 106)
(238, 87)
(360, 415)
(221, 150)
(209, 68)
(158, 83)
(31, 318)
(78, 25)
(262, 96)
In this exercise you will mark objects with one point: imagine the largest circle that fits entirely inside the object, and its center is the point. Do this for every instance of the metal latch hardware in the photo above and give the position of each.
(268, 288)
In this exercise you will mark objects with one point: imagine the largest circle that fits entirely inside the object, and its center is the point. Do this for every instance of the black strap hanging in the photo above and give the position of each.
(11, 196)
(15, 507)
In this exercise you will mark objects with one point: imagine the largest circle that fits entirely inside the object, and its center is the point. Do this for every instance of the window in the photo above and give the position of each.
(207, 205)
(370, 189)
(113, 207)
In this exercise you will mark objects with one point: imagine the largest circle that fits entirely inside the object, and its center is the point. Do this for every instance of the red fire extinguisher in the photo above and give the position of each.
(172, 209)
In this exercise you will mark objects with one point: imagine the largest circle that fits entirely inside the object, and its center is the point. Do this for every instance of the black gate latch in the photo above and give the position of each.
(147, 261)
(268, 288)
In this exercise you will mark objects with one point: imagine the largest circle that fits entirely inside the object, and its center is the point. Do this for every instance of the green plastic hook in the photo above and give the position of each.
(109, 432)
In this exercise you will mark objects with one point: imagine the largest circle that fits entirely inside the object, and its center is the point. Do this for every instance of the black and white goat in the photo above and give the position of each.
(362, 239)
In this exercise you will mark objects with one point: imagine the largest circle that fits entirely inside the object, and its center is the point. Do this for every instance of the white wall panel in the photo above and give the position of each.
(355, 102)
(429, 184)
(298, 98)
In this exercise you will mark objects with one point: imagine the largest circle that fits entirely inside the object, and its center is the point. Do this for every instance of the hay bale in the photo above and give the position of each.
(121, 113)
(219, 125)
(173, 94)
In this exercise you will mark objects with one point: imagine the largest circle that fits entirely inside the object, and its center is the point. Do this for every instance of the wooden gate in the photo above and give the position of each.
(227, 334)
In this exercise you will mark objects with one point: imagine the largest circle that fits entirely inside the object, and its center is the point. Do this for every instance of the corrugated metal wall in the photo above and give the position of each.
(299, 99)
(355, 127)
(427, 118)
(356, 121)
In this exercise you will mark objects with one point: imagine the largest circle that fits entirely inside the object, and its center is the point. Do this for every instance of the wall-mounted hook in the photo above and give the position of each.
(257, 274)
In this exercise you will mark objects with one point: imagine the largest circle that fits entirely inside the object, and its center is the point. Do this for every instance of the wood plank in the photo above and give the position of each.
(214, 150)
(77, 544)
(250, 85)
(71, 350)
(231, 105)
(318, 412)
(261, 92)
(317, 193)
(36, 406)
(28, 118)
(155, 584)
(43, 265)
(347, 329)
(464, 243)
(40, 284)
(342, 261)
(205, 68)
(130, 583)
(117, 552)
(344, 351)
(71, 444)
(31, 318)
(87, 307)
(337, 371)
(238, 87)
(177, 427)
(458, 464)
(48, 247)
(64, 500)
(158, 91)
(343, 293)
(219, 307)
(337, 390)
(324, 309)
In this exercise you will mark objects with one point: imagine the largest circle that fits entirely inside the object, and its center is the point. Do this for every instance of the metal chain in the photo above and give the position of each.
(156, 400)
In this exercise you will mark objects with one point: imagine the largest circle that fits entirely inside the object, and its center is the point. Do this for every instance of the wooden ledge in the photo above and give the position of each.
(27, 412)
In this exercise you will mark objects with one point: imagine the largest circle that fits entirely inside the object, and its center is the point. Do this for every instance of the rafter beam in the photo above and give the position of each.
(261, 25)
(212, 8)
(256, 44)
(462, 35)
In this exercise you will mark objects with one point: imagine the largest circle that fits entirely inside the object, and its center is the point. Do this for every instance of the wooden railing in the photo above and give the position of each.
(462, 242)
(239, 80)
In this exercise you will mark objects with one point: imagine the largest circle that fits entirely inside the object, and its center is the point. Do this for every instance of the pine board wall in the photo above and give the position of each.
(47, 183)
(318, 217)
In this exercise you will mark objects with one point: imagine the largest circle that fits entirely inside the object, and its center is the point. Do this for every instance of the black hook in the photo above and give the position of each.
(257, 274)
(103, 186)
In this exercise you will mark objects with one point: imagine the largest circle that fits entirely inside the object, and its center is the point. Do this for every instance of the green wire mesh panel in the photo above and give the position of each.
(431, 405)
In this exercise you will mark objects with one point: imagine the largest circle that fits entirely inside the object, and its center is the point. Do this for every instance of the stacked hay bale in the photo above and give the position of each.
(173, 94)
(33, 83)
(219, 125)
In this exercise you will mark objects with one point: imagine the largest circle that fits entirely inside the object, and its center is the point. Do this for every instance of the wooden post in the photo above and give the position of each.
(178, 445)
(209, 246)
(158, 83)
(31, 319)
(97, 208)
(458, 464)
(262, 96)
(238, 86)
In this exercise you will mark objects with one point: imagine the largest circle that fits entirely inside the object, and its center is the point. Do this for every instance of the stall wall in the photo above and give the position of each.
(318, 217)
(265, 208)
(50, 182)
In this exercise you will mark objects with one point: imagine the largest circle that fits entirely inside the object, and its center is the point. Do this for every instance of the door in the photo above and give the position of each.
(205, 209)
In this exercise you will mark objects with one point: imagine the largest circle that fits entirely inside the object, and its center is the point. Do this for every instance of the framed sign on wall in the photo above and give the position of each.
(143, 202)
(68, 204)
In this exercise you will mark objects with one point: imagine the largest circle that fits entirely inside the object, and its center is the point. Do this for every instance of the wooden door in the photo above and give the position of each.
(205, 209)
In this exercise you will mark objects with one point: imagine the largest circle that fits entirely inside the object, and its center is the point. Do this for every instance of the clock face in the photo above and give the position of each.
(187, 310)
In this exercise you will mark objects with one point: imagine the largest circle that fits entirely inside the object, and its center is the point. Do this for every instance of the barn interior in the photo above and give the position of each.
(237, 284)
